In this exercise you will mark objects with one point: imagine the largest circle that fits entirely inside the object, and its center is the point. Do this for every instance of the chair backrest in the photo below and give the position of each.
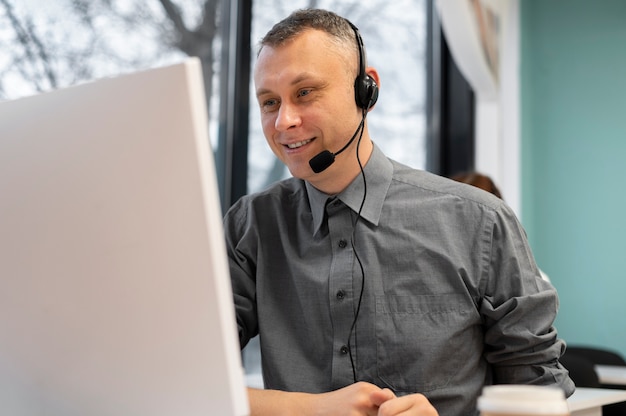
(581, 370)
(598, 356)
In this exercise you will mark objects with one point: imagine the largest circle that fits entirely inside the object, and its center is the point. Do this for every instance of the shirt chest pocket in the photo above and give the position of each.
(423, 341)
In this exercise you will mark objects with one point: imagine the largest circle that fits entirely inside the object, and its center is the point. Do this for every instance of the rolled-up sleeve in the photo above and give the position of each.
(518, 310)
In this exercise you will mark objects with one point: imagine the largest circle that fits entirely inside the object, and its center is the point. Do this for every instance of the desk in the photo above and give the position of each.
(589, 402)
(612, 374)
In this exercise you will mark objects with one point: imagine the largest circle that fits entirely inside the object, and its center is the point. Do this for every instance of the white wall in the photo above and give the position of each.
(497, 94)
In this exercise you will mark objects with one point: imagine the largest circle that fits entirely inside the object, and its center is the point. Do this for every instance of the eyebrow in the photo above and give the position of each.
(301, 77)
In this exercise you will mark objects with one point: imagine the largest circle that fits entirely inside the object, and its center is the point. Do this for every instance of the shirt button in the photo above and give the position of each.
(343, 350)
(343, 243)
(341, 295)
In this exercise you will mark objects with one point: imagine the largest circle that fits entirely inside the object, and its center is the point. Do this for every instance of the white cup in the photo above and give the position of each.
(522, 400)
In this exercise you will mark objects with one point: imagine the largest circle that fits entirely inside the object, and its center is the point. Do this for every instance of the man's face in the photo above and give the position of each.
(305, 90)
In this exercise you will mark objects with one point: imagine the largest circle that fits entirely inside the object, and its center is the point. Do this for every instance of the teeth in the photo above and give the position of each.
(298, 144)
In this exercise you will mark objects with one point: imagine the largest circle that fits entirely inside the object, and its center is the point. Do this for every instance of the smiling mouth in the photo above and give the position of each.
(298, 144)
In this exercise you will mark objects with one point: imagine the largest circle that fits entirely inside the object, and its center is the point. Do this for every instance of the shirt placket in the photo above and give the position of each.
(341, 294)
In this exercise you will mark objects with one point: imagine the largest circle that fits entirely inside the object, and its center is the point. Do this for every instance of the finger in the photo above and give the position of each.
(413, 404)
(379, 397)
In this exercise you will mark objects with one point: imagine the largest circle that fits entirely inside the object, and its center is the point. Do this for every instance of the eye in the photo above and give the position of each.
(304, 92)
(269, 104)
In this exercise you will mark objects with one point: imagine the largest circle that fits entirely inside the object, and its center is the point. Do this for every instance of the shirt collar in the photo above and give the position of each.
(378, 174)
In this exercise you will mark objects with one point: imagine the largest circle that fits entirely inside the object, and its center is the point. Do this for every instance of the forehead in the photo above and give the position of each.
(310, 51)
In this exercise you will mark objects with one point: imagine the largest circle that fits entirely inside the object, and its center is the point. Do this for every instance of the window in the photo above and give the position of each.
(49, 45)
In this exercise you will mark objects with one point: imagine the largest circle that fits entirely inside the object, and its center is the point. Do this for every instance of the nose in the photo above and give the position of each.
(288, 117)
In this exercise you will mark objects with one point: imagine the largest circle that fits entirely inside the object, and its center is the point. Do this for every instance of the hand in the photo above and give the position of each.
(365, 399)
(359, 399)
(410, 405)
(353, 400)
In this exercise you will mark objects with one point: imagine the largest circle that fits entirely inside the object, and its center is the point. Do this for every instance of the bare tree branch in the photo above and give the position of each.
(173, 13)
(197, 41)
(35, 52)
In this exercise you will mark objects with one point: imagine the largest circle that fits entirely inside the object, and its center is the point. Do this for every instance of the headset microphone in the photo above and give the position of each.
(322, 161)
(325, 158)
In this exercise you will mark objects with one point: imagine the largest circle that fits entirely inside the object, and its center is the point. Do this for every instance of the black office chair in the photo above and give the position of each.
(579, 358)
(598, 356)
(581, 370)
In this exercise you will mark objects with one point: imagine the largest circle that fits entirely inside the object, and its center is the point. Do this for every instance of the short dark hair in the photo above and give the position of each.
(300, 20)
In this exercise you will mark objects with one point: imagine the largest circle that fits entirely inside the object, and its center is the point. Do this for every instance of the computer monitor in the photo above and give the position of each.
(115, 296)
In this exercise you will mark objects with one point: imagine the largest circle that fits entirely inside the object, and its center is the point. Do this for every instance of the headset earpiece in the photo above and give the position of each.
(366, 92)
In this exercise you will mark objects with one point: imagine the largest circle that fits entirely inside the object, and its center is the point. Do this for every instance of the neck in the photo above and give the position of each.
(344, 170)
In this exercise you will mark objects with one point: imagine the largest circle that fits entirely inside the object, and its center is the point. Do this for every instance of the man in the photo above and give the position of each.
(376, 289)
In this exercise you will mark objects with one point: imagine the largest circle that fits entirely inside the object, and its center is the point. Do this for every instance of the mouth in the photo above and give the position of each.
(297, 145)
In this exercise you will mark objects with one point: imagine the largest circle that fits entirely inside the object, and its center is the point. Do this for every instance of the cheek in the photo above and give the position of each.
(268, 123)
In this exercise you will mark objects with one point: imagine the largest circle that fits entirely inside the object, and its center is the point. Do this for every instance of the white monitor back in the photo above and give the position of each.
(115, 295)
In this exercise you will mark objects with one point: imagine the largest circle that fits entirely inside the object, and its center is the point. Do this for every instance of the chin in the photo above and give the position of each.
(297, 173)
(301, 171)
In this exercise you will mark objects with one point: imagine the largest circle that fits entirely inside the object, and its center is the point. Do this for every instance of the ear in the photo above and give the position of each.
(373, 74)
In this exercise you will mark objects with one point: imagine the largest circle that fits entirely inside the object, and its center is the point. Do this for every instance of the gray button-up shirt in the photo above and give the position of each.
(448, 295)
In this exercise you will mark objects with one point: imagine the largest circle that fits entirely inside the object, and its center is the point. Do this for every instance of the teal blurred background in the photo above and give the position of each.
(573, 135)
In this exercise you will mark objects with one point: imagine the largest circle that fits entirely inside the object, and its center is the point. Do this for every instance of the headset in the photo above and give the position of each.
(365, 95)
